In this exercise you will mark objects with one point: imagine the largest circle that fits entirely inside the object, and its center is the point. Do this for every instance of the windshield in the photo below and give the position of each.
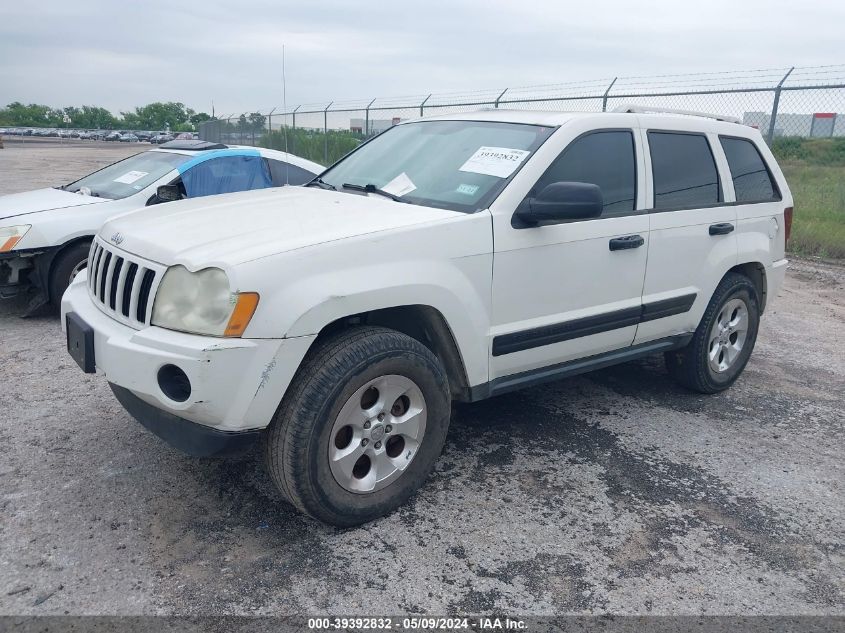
(128, 176)
(458, 165)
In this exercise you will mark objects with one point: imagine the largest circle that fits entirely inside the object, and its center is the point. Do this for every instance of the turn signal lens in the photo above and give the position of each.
(241, 315)
(11, 235)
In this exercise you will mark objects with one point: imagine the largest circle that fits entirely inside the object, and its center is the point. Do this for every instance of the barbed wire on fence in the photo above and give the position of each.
(804, 101)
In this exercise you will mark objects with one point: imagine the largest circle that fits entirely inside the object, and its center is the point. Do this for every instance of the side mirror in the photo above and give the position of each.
(559, 202)
(168, 193)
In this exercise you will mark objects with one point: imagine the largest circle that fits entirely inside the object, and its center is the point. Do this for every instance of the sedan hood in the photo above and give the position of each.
(22, 204)
(240, 227)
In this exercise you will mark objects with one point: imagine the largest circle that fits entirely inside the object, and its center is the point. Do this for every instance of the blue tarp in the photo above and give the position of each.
(213, 173)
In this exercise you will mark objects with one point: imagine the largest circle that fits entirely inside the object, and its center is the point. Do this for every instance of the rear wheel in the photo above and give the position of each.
(723, 341)
(67, 265)
(360, 427)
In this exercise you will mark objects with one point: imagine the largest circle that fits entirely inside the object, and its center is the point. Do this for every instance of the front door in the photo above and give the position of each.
(573, 289)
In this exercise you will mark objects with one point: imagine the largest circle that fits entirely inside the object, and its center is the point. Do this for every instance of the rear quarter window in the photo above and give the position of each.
(286, 174)
(752, 179)
(684, 171)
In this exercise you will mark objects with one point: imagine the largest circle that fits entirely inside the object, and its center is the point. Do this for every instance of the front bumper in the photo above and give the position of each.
(189, 437)
(236, 384)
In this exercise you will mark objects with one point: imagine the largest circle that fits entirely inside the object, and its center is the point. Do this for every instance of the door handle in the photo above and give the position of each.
(629, 241)
(722, 228)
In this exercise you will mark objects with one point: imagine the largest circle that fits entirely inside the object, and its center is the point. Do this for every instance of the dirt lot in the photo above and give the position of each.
(613, 492)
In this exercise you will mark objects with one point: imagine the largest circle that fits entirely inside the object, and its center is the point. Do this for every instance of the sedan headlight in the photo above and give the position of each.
(201, 303)
(11, 235)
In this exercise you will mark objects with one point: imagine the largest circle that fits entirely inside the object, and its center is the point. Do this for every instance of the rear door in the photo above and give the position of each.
(693, 237)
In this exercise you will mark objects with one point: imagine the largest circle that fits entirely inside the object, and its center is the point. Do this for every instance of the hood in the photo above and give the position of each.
(22, 204)
(240, 227)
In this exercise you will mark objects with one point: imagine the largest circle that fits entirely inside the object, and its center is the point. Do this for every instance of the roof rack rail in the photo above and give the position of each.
(647, 109)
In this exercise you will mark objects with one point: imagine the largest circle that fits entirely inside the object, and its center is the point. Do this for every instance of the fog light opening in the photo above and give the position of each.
(174, 383)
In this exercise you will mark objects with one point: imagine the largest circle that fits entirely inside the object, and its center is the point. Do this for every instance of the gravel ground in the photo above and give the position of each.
(615, 492)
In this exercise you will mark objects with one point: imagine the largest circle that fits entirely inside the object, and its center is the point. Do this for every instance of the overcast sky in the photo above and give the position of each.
(120, 55)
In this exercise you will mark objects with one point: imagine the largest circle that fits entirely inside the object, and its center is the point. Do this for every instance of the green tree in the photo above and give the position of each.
(32, 115)
(199, 117)
(256, 124)
(159, 115)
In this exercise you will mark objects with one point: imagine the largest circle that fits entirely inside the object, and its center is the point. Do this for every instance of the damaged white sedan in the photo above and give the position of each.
(45, 235)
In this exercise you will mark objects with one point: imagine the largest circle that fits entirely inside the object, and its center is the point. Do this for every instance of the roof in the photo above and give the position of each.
(213, 150)
(682, 120)
(533, 117)
(192, 145)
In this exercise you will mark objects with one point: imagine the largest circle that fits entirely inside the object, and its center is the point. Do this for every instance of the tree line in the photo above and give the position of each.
(153, 116)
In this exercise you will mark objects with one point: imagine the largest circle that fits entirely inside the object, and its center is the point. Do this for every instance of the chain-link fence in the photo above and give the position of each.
(800, 102)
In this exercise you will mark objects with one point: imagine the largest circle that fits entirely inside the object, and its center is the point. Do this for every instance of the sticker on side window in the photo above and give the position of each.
(131, 176)
(400, 185)
(467, 190)
(494, 161)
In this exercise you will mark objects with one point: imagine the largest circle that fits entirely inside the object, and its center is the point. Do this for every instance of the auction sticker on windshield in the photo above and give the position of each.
(400, 185)
(494, 161)
(131, 176)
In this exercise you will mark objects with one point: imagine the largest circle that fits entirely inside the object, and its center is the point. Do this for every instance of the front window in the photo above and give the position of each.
(458, 165)
(128, 176)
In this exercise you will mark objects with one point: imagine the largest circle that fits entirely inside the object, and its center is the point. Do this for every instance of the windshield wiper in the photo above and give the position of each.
(372, 189)
(321, 183)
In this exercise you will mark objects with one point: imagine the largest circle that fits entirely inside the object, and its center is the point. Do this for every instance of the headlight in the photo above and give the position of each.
(201, 303)
(11, 235)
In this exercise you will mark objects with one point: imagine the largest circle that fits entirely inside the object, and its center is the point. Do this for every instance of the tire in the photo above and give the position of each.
(731, 348)
(65, 267)
(383, 466)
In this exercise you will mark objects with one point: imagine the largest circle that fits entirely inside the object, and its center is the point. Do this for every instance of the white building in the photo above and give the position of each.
(377, 126)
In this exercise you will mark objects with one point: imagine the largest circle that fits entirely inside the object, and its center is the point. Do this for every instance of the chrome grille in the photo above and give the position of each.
(122, 285)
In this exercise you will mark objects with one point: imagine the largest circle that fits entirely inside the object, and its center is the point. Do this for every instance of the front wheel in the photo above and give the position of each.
(360, 427)
(67, 265)
(723, 341)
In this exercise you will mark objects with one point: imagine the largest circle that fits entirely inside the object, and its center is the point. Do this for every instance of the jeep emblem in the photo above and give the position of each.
(117, 238)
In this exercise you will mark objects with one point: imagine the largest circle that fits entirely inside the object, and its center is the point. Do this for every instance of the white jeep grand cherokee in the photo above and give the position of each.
(452, 258)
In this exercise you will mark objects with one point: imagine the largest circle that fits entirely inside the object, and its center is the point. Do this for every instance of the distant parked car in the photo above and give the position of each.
(128, 138)
(160, 138)
(113, 136)
(45, 235)
(143, 136)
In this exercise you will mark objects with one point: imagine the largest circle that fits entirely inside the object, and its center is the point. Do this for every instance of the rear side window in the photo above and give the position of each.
(606, 159)
(684, 171)
(751, 178)
(286, 174)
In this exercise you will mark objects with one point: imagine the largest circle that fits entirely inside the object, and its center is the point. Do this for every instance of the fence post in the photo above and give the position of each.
(604, 96)
(774, 115)
(326, 132)
(367, 119)
(293, 115)
(422, 105)
(499, 98)
(270, 124)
